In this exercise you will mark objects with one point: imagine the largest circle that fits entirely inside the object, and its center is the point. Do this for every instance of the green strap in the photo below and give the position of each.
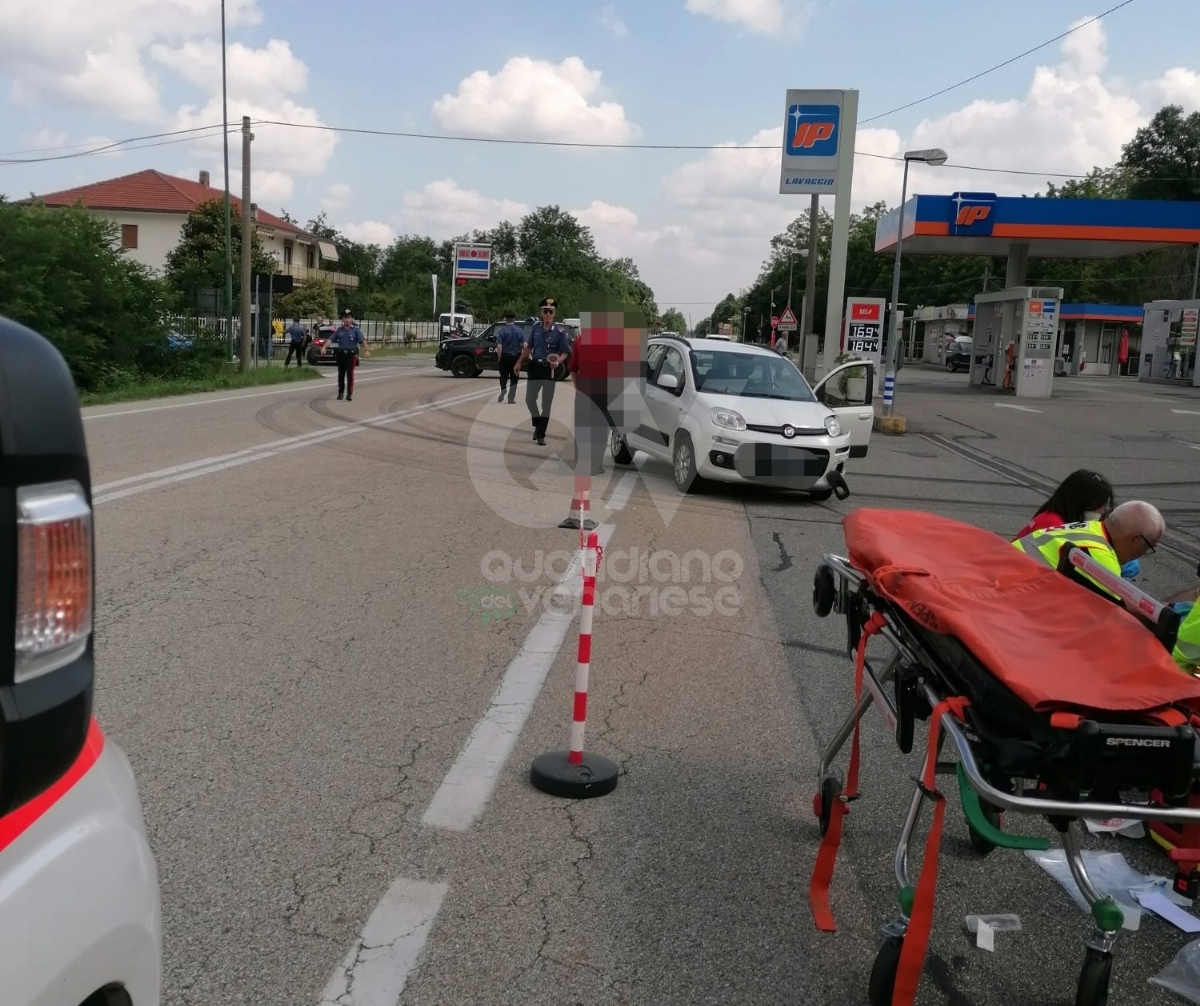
(978, 820)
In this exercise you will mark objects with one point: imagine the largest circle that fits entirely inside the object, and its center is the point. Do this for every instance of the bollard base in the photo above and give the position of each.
(890, 424)
(573, 522)
(595, 776)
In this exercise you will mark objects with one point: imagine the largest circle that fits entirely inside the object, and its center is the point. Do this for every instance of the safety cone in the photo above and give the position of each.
(581, 509)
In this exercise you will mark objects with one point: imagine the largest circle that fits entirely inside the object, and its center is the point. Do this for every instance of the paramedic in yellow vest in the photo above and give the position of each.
(1187, 643)
(1127, 533)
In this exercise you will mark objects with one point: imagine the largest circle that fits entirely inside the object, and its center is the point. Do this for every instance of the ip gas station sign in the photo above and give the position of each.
(812, 141)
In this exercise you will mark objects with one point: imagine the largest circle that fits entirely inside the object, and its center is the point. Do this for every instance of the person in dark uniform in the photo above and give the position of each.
(296, 336)
(509, 340)
(345, 340)
(546, 347)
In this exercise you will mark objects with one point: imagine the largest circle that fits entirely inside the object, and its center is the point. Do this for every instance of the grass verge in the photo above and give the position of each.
(225, 380)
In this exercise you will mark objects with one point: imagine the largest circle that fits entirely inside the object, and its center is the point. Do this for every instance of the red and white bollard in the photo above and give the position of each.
(581, 508)
(572, 773)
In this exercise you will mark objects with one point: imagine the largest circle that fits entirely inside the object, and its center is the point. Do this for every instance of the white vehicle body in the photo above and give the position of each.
(447, 325)
(79, 903)
(730, 412)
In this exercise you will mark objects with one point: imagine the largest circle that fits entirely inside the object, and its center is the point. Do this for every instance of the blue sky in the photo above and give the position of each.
(670, 71)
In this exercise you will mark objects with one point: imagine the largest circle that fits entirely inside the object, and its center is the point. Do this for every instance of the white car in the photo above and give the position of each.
(730, 412)
(80, 920)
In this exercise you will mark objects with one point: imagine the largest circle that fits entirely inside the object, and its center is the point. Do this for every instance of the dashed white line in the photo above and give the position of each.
(393, 373)
(377, 967)
(134, 484)
(468, 785)
(1021, 408)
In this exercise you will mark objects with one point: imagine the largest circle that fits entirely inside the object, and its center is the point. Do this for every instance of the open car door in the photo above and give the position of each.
(848, 391)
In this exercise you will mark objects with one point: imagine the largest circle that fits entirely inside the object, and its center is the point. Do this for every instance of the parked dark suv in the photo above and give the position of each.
(475, 354)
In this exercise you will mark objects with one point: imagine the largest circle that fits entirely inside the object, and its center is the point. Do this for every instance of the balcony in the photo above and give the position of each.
(302, 273)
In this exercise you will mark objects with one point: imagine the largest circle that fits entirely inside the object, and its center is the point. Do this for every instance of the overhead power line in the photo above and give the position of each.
(190, 135)
(998, 66)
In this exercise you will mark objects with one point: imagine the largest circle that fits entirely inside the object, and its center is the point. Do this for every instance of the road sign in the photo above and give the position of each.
(774, 322)
(812, 141)
(473, 261)
(787, 321)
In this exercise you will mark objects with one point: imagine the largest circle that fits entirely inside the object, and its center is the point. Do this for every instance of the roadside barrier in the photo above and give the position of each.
(581, 508)
(572, 773)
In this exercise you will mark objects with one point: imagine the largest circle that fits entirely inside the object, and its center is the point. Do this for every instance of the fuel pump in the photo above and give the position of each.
(1020, 333)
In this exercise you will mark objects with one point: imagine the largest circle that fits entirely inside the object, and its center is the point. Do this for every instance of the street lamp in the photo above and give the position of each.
(935, 157)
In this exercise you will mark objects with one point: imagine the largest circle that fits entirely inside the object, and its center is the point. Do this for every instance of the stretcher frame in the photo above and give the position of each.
(840, 587)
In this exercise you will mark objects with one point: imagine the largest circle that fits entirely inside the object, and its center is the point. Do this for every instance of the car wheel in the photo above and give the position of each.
(312, 359)
(621, 454)
(683, 464)
(463, 366)
(950, 366)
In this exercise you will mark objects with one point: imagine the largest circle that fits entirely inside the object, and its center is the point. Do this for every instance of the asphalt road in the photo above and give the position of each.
(330, 642)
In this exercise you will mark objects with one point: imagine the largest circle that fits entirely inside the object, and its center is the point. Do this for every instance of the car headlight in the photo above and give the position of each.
(832, 426)
(727, 419)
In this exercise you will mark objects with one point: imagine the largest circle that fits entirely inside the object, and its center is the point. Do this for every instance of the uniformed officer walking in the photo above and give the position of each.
(296, 336)
(345, 340)
(509, 340)
(546, 346)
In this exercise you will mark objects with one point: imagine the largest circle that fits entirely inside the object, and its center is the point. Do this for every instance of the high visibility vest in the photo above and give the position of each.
(1046, 545)
(1187, 643)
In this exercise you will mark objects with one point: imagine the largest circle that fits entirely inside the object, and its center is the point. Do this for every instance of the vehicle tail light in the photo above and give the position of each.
(54, 577)
(480, 351)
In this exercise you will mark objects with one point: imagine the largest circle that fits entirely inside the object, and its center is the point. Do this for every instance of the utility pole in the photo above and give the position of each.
(228, 214)
(810, 280)
(247, 243)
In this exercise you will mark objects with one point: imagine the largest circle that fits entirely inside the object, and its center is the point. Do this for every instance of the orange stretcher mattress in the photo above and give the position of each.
(1055, 644)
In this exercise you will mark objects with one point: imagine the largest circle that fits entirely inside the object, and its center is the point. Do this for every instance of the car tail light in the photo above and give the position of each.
(54, 577)
(480, 351)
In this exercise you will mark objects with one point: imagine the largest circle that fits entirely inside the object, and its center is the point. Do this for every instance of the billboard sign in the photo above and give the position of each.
(812, 142)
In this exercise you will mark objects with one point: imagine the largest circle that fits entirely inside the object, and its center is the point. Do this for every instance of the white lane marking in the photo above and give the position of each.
(401, 372)
(1195, 447)
(468, 785)
(207, 466)
(1023, 408)
(377, 967)
(1185, 412)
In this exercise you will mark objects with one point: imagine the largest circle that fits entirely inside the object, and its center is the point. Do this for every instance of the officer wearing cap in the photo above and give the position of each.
(546, 346)
(509, 340)
(345, 340)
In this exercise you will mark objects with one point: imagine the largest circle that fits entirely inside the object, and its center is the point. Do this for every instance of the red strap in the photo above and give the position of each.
(920, 922)
(1065, 721)
(822, 876)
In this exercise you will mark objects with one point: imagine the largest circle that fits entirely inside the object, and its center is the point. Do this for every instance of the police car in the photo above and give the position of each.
(728, 412)
(79, 901)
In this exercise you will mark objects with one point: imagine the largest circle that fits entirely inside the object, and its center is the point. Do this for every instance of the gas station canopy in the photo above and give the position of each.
(982, 223)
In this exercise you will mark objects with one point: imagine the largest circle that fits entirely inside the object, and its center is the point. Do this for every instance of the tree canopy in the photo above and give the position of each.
(547, 253)
(1162, 161)
(196, 265)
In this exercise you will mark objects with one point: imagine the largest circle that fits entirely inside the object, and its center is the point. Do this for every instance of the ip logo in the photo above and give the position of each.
(973, 213)
(812, 130)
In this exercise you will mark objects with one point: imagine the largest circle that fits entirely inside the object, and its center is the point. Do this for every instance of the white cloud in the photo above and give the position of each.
(269, 73)
(608, 20)
(767, 17)
(1070, 119)
(535, 99)
(267, 188)
(337, 198)
(88, 53)
(370, 232)
(443, 209)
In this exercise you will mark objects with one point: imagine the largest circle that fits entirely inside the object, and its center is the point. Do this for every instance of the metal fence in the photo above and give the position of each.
(377, 331)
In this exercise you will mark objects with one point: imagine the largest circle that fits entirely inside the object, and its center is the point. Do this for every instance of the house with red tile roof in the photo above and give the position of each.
(150, 209)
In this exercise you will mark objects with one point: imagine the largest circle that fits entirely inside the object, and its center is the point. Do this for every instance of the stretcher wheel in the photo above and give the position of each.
(1094, 979)
(830, 788)
(980, 844)
(824, 591)
(883, 973)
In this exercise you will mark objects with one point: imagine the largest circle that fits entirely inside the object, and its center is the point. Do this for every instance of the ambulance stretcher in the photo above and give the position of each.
(1060, 704)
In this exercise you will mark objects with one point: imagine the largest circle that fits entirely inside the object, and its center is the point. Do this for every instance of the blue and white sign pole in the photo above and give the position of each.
(470, 261)
(819, 129)
(935, 157)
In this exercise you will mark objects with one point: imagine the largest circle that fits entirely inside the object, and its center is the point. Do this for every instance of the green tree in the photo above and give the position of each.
(674, 321)
(1163, 158)
(197, 263)
(315, 298)
(63, 275)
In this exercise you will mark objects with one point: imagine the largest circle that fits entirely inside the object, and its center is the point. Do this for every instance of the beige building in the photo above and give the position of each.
(150, 209)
